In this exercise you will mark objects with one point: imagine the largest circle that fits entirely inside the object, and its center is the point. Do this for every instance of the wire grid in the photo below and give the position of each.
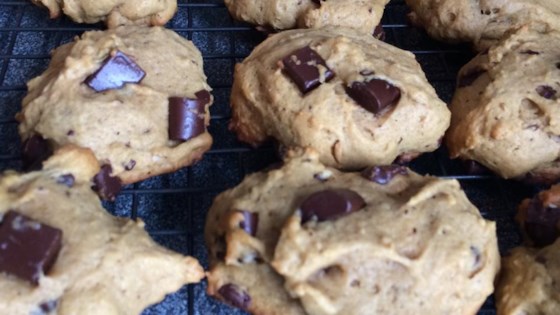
(174, 205)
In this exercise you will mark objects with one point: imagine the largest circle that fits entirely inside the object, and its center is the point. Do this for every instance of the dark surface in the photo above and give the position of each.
(174, 206)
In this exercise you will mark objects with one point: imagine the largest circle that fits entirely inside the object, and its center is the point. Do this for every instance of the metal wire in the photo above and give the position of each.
(174, 205)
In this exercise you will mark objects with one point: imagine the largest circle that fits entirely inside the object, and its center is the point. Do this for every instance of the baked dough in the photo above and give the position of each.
(404, 242)
(266, 102)
(106, 266)
(128, 127)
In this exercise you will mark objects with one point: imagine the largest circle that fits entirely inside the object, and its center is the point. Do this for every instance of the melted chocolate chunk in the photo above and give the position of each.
(235, 296)
(375, 95)
(117, 70)
(541, 222)
(105, 185)
(468, 78)
(186, 116)
(250, 222)
(130, 165)
(546, 91)
(28, 249)
(66, 179)
(379, 33)
(330, 204)
(383, 174)
(35, 150)
(304, 67)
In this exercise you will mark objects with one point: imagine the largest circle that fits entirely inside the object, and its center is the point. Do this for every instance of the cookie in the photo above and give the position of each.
(482, 23)
(136, 96)
(113, 12)
(356, 100)
(506, 111)
(363, 15)
(528, 282)
(62, 252)
(308, 239)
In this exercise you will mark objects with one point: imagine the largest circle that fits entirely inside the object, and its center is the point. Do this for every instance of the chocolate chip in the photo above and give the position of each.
(130, 165)
(49, 306)
(35, 150)
(383, 174)
(546, 91)
(541, 222)
(105, 185)
(330, 204)
(250, 222)
(375, 95)
(186, 116)
(306, 68)
(117, 70)
(530, 52)
(379, 33)
(70, 132)
(28, 249)
(235, 296)
(66, 179)
(468, 78)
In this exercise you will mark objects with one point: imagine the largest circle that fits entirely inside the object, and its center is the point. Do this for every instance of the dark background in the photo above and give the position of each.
(174, 206)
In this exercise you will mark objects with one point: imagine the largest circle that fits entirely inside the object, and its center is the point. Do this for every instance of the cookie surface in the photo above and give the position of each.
(363, 15)
(356, 100)
(106, 265)
(506, 111)
(113, 12)
(528, 282)
(94, 95)
(384, 242)
(483, 22)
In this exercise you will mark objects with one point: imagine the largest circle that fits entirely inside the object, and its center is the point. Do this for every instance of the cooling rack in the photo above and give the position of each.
(174, 205)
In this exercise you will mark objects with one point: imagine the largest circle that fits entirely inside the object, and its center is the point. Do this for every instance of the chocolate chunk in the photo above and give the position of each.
(66, 179)
(306, 69)
(28, 249)
(186, 116)
(130, 165)
(530, 52)
(105, 185)
(235, 296)
(375, 95)
(117, 70)
(546, 91)
(468, 78)
(49, 306)
(330, 204)
(379, 33)
(541, 222)
(35, 150)
(250, 222)
(383, 174)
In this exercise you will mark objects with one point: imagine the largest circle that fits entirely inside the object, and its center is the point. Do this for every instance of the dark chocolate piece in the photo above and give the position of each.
(317, 2)
(28, 249)
(383, 174)
(117, 70)
(250, 222)
(546, 91)
(105, 185)
(468, 78)
(66, 179)
(130, 165)
(330, 204)
(35, 150)
(235, 296)
(303, 68)
(379, 33)
(375, 95)
(541, 222)
(186, 116)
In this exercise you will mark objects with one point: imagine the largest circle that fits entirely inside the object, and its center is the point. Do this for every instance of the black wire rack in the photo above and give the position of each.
(174, 205)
